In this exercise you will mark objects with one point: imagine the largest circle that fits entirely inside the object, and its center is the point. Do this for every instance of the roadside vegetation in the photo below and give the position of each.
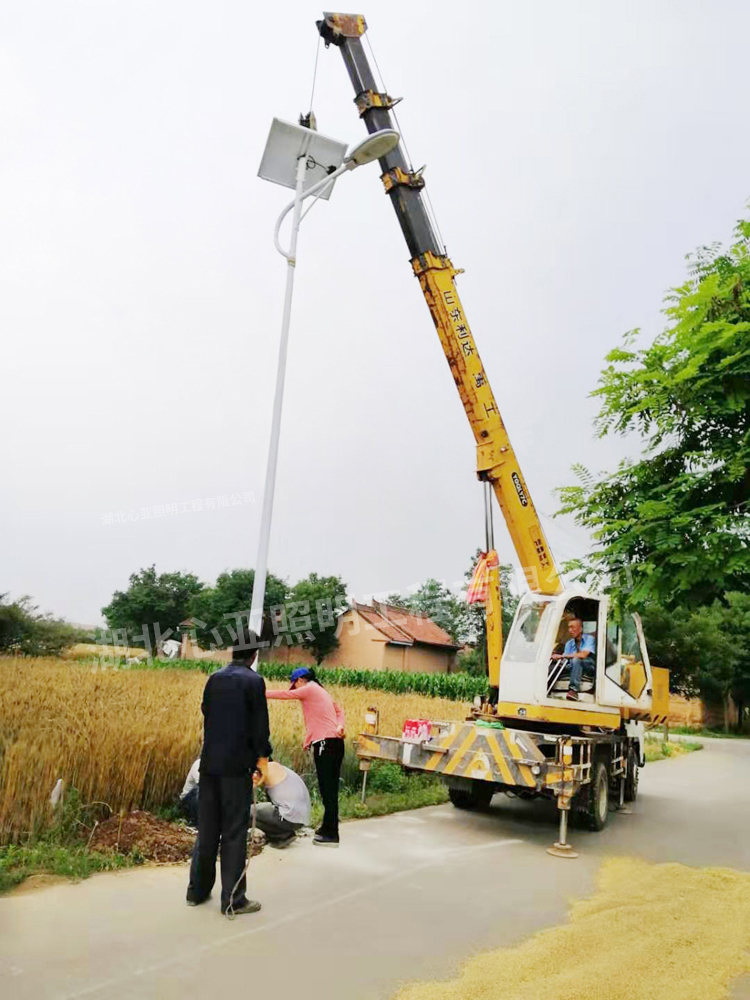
(124, 740)
(660, 749)
(128, 738)
(671, 525)
(389, 789)
(718, 734)
(60, 850)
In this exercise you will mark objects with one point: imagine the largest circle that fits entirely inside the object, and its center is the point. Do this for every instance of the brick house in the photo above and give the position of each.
(381, 636)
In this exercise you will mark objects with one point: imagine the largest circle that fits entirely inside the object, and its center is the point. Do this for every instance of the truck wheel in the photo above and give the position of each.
(597, 812)
(477, 797)
(631, 777)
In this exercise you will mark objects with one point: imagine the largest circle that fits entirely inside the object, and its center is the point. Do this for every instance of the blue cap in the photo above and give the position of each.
(300, 672)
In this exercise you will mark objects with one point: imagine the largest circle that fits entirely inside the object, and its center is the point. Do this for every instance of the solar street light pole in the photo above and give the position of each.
(367, 151)
(261, 563)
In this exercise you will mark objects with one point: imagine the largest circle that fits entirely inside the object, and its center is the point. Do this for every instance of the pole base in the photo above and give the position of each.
(559, 850)
(624, 811)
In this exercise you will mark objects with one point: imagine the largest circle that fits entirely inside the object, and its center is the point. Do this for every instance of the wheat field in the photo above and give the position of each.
(128, 738)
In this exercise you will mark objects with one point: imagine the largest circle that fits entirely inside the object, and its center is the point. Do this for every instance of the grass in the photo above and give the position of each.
(713, 733)
(657, 749)
(19, 861)
(61, 849)
(389, 790)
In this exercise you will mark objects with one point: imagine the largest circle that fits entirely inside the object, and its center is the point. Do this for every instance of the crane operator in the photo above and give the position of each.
(580, 650)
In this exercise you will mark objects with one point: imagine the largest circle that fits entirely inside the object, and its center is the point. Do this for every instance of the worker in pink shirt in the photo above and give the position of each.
(324, 722)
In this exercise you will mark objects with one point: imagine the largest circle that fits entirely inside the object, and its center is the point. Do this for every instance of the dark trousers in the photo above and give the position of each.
(223, 818)
(272, 823)
(189, 806)
(329, 755)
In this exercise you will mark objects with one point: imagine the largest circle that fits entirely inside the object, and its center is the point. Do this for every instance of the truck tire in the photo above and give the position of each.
(477, 797)
(597, 812)
(631, 776)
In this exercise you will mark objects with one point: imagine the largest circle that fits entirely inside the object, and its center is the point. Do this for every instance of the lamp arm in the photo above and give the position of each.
(317, 190)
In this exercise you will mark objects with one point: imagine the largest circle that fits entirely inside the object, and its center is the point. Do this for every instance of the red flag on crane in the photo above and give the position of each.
(477, 590)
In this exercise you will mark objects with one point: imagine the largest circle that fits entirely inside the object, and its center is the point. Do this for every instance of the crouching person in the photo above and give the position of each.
(288, 808)
(188, 802)
(235, 744)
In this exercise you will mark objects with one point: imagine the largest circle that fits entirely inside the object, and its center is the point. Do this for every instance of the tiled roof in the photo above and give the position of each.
(399, 625)
(390, 630)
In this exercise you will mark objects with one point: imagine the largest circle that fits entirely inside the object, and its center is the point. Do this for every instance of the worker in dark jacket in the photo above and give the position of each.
(235, 745)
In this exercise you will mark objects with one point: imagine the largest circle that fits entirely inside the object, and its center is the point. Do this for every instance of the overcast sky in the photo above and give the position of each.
(575, 152)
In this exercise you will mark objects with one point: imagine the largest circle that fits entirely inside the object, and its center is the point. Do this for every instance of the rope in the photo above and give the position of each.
(315, 74)
(410, 162)
(229, 912)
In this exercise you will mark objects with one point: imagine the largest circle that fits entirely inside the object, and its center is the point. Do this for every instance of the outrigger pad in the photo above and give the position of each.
(562, 851)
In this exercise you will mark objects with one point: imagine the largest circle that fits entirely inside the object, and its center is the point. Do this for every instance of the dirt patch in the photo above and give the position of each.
(154, 839)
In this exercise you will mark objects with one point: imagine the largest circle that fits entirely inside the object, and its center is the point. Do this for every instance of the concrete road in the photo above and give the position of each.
(406, 896)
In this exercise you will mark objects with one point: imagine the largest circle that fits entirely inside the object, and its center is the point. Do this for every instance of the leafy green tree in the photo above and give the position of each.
(706, 650)
(24, 630)
(464, 623)
(473, 661)
(440, 604)
(397, 600)
(674, 525)
(724, 662)
(674, 638)
(309, 617)
(216, 611)
(151, 609)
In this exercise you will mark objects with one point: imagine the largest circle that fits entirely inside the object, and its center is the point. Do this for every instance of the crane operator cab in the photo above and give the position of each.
(572, 651)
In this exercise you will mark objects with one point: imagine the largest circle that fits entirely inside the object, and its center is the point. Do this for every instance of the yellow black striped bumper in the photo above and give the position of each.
(503, 756)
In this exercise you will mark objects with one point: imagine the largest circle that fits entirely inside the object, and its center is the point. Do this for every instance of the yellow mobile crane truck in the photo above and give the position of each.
(528, 737)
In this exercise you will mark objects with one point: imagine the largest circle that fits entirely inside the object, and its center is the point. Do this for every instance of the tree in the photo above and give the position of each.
(440, 604)
(309, 617)
(724, 669)
(678, 518)
(473, 661)
(217, 610)
(464, 623)
(674, 642)
(24, 630)
(706, 650)
(151, 609)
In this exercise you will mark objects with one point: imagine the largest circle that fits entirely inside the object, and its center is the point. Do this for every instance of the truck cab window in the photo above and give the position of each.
(527, 631)
(612, 650)
(633, 671)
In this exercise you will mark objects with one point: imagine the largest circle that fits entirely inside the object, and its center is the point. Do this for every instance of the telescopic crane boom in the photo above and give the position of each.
(541, 734)
(496, 460)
